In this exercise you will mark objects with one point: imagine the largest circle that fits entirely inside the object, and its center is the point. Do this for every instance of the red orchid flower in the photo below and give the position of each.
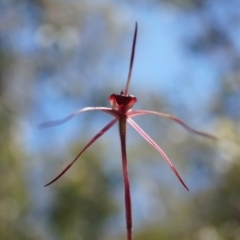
(122, 112)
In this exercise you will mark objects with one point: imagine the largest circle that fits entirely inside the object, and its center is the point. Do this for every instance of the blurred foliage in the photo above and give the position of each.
(83, 202)
(14, 202)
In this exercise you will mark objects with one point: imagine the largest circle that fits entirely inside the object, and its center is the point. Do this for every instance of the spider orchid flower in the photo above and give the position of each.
(121, 110)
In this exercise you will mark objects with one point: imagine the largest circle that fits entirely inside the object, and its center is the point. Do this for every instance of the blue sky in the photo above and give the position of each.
(162, 65)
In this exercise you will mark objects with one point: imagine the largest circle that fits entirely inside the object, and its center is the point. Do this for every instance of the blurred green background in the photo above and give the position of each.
(57, 56)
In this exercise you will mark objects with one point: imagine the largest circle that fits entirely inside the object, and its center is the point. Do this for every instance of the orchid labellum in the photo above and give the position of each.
(121, 110)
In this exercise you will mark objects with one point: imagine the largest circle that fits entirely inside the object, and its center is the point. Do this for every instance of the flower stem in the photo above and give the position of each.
(128, 207)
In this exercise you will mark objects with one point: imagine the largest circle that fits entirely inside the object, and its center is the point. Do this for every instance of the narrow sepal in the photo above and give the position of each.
(132, 59)
(99, 134)
(143, 112)
(150, 140)
(79, 111)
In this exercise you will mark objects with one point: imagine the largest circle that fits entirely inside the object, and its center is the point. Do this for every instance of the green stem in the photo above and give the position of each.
(128, 207)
